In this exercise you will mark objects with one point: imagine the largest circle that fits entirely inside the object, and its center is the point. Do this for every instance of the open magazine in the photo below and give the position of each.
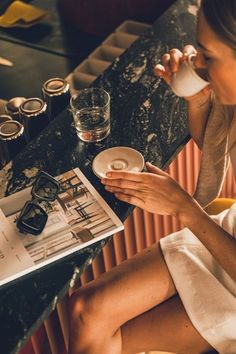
(78, 218)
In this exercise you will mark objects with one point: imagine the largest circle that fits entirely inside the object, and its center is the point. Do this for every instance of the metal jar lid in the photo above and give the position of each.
(11, 130)
(12, 106)
(5, 118)
(32, 107)
(56, 86)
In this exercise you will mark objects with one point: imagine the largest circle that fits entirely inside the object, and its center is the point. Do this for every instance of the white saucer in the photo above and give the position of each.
(119, 158)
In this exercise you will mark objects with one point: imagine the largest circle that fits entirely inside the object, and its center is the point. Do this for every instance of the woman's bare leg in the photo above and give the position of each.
(99, 308)
(166, 327)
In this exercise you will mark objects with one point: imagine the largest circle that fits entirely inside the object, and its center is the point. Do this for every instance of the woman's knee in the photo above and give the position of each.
(77, 304)
(87, 307)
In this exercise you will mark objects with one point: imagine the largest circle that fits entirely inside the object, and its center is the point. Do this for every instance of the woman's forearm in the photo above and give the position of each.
(218, 242)
(198, 113)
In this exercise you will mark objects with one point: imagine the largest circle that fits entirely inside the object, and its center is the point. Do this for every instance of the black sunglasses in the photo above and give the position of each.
(33, 217)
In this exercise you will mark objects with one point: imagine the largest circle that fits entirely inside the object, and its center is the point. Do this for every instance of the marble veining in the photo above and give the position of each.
(5, 177)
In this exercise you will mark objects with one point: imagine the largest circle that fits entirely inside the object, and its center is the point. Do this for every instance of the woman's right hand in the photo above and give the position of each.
(171, 62)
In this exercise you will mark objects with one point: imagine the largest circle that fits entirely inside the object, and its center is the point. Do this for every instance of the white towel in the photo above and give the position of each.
(206, 290)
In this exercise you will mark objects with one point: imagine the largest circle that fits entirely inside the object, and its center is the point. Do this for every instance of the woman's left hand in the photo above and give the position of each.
(154, 191)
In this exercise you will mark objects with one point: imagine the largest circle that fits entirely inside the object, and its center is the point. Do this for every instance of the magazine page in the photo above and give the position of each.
(13, 255)
(77, 218)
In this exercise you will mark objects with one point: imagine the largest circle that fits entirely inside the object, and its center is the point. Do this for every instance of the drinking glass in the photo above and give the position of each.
(91, 112)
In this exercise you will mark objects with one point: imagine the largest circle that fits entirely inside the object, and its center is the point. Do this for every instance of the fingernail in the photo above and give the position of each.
(108, 174)
(158, 69)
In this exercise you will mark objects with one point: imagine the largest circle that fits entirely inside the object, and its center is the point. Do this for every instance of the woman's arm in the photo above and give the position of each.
(199, 105)
(158, 193)
(199, 108)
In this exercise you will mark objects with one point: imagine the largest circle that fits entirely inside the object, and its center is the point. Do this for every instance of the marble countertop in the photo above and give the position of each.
(145, 115)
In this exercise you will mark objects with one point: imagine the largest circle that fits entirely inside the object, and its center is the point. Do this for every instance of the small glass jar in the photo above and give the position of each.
(56, 93)
(12, 140)
(5, 118)
(33, 112)
(12, 107)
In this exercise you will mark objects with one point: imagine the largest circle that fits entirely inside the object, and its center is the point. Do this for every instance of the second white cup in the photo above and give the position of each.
(187, 81)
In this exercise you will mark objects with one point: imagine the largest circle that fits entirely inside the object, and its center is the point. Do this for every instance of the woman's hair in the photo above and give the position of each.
(221, 17)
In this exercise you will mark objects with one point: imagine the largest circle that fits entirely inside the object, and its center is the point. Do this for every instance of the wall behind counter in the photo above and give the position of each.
(101, 17)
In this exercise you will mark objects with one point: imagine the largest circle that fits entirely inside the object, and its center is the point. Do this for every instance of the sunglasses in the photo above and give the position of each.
(33, 217)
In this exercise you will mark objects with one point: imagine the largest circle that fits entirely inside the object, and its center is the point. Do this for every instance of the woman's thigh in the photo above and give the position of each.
(166, 327)
(129, 289)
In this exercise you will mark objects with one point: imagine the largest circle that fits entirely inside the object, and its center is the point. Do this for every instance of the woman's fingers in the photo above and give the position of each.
(130, 199)
(115, 187)
(122, 183)
(188, 50)
(166, 63)
(160, 71)
(170, 64)
(131, 180)
(174, 61)
(154, 169)
(130, 196)
(129, 175)
(171, 60)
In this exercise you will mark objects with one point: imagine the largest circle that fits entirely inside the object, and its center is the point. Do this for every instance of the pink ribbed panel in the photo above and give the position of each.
(130, 242)
(142, 229)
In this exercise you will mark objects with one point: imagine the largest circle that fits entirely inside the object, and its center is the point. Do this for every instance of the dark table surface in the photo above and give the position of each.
(53, 34)
(49, 49)
(145, 115)
(32, 67)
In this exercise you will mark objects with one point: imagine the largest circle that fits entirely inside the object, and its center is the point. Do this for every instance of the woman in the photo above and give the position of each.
(178, 295)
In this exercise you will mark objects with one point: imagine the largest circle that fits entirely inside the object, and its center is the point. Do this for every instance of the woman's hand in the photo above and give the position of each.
(199, 105)
(155, 191)
(171, 62)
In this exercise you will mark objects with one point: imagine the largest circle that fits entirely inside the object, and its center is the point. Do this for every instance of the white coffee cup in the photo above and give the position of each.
(186, 81)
